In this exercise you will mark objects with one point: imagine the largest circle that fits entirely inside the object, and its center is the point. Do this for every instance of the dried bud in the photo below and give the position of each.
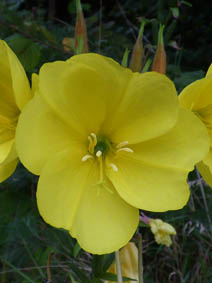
(137, 54)
(68, 44)
(159, 62)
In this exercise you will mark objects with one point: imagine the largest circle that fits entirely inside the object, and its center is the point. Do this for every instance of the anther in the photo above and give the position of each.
(99, 153)
(114, 167)
(86, 157)
(92, 142)
(121, 144)
(127, 149)
(94, 138)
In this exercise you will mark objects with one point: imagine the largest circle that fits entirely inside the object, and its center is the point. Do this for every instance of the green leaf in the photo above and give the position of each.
(97, 265)
(124, 62)
(27, 51)
(108, 260)
(76, 250)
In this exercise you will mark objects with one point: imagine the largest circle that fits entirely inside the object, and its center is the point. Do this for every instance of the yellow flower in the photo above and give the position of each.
(129, 262)
(105, 142)
(162, 231)
(14, 93)
(197, 97)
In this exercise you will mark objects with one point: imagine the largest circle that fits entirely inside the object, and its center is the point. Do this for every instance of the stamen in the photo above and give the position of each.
(121, 144)
(114, 167)
(94, 138)
(127, 149)
(86, 157)
(99, 153)
(92, 142)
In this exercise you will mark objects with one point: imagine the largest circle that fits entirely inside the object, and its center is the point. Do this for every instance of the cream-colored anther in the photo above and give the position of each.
(127, 149)
(92, 142)
(121, 144)
(94, 138)
(86, 157)
(114, 167)
(99, 153)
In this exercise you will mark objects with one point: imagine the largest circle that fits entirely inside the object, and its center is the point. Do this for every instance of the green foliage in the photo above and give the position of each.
(27, 51)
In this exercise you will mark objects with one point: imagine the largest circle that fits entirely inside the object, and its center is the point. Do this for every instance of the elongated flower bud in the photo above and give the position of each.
(81, 45)
(159, 62)
(137, 54)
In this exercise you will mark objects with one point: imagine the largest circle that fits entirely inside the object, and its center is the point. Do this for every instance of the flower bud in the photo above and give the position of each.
(162, 231)
(80, 37)
(159, 62)
(137, 54)
(129, 262)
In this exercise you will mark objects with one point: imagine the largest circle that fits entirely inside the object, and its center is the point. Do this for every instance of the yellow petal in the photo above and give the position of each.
(8, 106)
(205, 172)
(181, 148)
(69, 197)
(129, 262)
(197, 95)
(154, 176)
(5, 149)
(9, 162)
(209, 72)
(149, 187)
(46, 134)
(148, 109)
(6, 170)
(35, 83)
(20, 83)
(84, 93)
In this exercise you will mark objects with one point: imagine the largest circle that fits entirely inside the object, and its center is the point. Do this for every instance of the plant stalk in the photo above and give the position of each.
(140, 260)
(118, 267)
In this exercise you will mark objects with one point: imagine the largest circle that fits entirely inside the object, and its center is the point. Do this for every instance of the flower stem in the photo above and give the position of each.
(140, 260)
(204, 199)
(118, 267)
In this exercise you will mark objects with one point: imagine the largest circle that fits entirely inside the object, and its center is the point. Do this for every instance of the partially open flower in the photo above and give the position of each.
(197, 97)
(14, 93)
(105, 142)
(162, 231)
(129, 262)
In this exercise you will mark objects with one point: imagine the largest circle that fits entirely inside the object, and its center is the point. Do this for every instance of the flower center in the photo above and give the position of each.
(100, 146)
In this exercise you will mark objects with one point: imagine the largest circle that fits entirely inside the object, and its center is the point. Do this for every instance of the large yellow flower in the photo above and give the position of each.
(105, 142)
(198, 98)
(14, 93)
